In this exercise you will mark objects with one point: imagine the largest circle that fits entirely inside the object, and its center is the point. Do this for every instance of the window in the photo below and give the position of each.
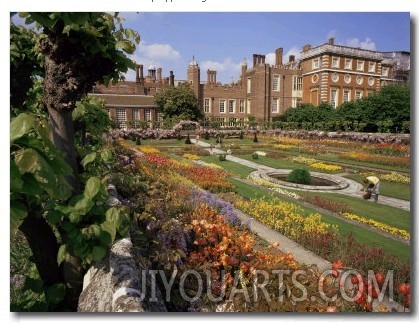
(207, 105)
(333, 98)
(241, 106)
(316, 63)
(360, 66)
(346, 96)
(121, 118)
(231, 106)
(335, 77)
(232, 122)
(385, 71)
(275, 83)
(297, 83)
(147, 115)
(358, 95)
(348, 64)
(275, 106)
(335, 62)
(135, 114)
(370, 81)
(314, 78)
(248, 105)
(371, 67)
(159, 116)
(359, 80)
(222, 106)
(249, 85)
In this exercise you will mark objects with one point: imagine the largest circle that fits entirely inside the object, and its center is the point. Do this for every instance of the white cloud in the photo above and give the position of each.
(158, 52)
(366, 44)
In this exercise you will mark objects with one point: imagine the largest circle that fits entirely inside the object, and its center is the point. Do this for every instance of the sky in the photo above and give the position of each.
(221, 41)
(220, 36)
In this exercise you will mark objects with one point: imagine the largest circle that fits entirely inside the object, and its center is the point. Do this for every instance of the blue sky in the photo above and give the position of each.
(222, 40)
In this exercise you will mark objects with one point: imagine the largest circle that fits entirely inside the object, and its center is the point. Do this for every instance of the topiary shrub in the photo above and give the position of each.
(222, 157)
(188, 140)
(206, 135)
(255, 155)
(255, 138)
(299, 176)
(138, 141)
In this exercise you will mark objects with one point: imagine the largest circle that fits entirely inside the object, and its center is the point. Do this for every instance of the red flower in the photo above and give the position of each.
(379, 277)
(403, 288)
(337, 265)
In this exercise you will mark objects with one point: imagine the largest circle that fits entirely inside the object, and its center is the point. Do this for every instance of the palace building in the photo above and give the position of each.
(327, 73)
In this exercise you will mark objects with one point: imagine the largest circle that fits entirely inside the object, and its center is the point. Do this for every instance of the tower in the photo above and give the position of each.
(194, 78)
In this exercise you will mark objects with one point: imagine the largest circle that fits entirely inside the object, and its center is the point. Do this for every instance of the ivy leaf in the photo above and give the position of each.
(30, 161)
(62, 252)
(98, 252)
(18, 212)
(21, 125)
(92, 188)
(53, 217)
(112, 215)
(16, 182)
(88, 159)
(55, 293)
(106, 155)
(108, 232)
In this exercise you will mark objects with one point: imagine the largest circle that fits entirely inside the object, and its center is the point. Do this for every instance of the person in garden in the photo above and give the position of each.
(372, 188)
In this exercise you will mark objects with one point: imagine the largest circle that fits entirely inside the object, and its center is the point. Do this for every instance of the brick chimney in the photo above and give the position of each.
(291, 58)
(331, 41)
(306, 48)
(278, 56)
(172, 79)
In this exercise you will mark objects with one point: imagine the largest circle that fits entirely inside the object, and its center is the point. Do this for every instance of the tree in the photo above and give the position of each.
(178, 102)
(78, 50)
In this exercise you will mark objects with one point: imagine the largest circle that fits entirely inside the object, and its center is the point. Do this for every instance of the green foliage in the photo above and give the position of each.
(385, 111)
(37, 169)
(99, 37)
(25, 65)
(179, 101)
(299, 176)
(255, 155)
(90, 224)
(91, 47)
(222, 157)
(90, 119)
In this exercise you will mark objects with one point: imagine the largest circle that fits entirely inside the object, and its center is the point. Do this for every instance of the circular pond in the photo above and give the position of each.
(315, 181)
(319, 181)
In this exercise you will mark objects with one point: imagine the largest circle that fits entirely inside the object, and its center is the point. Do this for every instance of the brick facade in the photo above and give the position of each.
(327, 73)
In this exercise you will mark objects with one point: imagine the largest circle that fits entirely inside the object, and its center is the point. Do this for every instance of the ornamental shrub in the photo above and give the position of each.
(188, 140)
(222, 157)
(255, 155)
(299, 176)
